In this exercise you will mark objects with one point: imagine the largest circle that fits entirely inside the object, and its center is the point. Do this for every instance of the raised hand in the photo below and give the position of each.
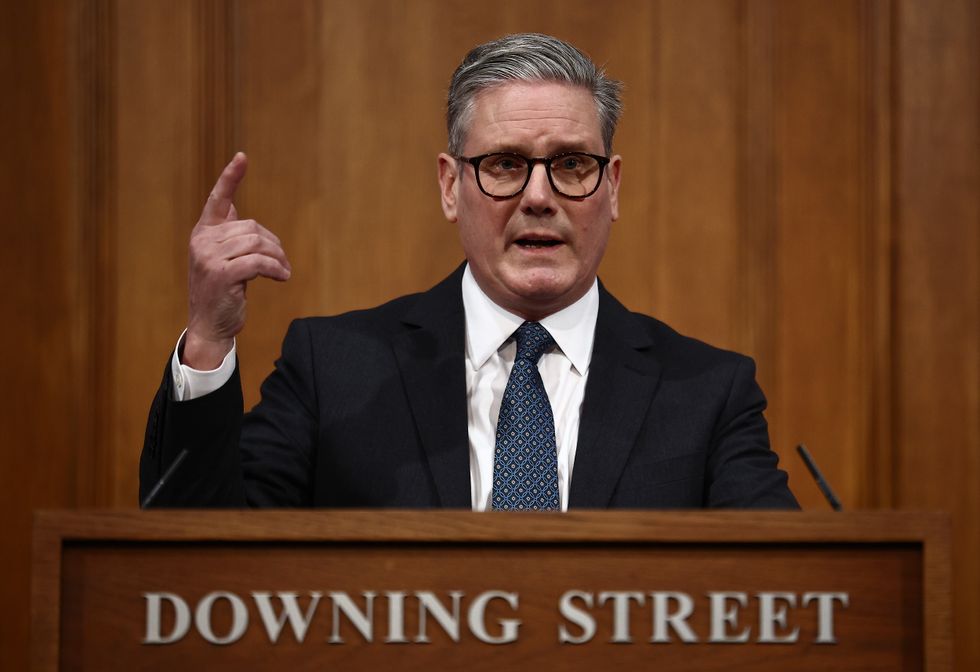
(225, 253)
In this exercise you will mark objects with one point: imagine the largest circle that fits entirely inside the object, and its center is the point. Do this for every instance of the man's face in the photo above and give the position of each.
(537, 252)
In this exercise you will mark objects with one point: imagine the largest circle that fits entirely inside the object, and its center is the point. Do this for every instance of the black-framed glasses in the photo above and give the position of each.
(506, 174)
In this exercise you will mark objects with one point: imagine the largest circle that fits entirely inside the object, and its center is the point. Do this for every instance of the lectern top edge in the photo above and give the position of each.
(461, 526)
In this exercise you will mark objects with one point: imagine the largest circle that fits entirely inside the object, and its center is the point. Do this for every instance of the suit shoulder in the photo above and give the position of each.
(379, 319)
(673, 347)
(435, 305)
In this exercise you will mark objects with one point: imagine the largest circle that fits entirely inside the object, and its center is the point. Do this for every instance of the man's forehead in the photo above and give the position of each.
(537, 112)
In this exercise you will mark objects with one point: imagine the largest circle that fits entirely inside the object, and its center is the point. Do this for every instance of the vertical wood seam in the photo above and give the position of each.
(879, 257)
(95, 181)
(755, 262)
(217, 88)
(888, 325)
(657, 134)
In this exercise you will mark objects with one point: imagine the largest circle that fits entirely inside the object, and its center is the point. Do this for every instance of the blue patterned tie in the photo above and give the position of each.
(525, 464)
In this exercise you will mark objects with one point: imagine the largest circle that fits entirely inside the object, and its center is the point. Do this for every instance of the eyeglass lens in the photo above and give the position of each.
(574, 175)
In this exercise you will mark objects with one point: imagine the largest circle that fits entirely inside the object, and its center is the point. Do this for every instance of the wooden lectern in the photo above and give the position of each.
(443, 590)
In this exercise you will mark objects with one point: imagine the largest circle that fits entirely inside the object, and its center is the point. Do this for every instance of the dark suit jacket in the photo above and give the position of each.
(368, 409)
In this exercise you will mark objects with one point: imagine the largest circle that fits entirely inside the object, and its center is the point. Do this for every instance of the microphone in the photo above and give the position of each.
(171, 470)
(818, 477)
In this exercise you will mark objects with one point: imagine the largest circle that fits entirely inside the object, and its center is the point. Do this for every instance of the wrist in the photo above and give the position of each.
(203, 354)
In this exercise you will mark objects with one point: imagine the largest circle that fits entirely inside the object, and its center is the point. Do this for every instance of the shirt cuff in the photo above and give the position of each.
(191, 383)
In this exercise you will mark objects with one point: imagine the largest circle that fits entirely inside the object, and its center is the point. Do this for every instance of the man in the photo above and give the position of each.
(516, 383)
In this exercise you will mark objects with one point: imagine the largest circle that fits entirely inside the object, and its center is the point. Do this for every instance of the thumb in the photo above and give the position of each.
(232, 213)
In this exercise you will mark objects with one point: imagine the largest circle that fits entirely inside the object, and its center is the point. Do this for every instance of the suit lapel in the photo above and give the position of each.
(430, 356)
(622, 381)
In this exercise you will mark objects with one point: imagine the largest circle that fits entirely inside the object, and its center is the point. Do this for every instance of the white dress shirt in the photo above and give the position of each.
(490, 353)
(193, 383)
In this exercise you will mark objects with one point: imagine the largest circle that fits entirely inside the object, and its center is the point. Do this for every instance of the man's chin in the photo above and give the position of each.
(533, 293)
(536, 298)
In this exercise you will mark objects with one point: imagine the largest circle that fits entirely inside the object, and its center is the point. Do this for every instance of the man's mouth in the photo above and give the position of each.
(533, 243)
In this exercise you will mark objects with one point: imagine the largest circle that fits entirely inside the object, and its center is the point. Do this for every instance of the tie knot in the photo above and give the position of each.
(532, 341)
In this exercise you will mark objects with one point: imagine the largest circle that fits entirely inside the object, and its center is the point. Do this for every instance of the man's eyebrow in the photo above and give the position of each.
(564, 147)
(508, 148)
(561, 148)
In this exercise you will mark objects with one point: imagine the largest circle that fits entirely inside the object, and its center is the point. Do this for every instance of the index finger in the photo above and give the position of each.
(219, 201)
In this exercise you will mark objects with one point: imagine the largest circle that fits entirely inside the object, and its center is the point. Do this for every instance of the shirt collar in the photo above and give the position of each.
(488, 326)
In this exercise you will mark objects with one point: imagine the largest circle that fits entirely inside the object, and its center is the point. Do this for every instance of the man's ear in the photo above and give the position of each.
(449, 185)
(613, 174)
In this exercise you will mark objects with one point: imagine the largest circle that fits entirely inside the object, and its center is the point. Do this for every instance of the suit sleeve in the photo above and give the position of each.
(279, 435)
(208, 428)
(742, 470)
(263, 458)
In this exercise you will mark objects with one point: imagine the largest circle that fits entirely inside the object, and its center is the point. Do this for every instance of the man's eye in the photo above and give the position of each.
(569, 163)
(506, 163)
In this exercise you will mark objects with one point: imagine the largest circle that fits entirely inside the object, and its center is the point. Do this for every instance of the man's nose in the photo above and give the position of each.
(538, 197)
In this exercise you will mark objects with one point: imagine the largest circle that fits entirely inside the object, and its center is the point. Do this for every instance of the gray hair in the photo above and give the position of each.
(528, 57)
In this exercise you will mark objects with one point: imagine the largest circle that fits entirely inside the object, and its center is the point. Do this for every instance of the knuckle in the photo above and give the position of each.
(198, 266)
(211, 264)
(197, 252)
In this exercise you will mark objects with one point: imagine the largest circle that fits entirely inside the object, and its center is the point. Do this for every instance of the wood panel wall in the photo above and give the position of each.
(800, 183)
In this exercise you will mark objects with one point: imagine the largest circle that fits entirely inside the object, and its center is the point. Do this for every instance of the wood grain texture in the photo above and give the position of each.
(879, 246)
(882, 560)
(694, 260)
(937, 289)
(464, 526)
(884, 587)
(45, 632)
(46, 301)
(154, 204)
(754, 316)
(818, 124)
(800, 183)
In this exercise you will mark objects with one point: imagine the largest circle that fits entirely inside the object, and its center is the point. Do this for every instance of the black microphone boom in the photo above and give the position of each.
(163, 479)
(818, 477)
